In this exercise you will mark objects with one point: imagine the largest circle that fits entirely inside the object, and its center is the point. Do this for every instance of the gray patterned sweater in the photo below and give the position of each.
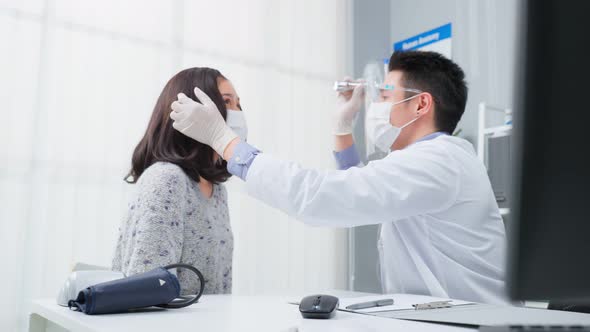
(171, 221)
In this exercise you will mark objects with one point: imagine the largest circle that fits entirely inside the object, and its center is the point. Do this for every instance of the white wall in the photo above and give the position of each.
(78, 82)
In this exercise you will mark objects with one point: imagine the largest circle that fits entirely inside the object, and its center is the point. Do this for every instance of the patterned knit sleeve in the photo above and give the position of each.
(157, 222)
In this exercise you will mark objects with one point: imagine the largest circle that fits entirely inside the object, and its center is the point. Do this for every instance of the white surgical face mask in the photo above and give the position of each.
(378, 129)
(237, 122)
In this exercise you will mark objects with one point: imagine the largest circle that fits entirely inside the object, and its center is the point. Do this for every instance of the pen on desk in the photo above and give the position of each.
(370, 304)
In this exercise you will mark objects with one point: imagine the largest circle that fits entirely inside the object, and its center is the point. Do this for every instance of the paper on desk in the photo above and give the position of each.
(400, 302)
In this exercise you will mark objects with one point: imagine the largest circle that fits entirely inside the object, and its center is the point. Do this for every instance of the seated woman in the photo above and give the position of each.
(179, 212)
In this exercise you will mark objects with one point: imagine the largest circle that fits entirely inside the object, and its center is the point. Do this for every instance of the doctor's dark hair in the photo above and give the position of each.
(442, 78)
(161, 142)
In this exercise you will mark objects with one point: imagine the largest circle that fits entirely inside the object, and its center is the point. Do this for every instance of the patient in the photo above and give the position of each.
(179, 210)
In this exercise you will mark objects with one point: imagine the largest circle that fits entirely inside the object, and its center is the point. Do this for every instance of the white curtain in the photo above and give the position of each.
(78, 80)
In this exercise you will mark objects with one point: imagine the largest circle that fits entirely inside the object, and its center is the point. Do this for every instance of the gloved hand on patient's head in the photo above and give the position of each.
(201, 121)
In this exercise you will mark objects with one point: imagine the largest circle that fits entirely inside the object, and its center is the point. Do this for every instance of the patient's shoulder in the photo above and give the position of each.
(164, 175)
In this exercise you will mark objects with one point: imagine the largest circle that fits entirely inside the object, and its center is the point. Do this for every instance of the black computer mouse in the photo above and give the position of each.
(318, 306)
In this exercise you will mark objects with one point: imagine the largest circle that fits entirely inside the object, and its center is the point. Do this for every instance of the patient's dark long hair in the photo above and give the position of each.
(161, 142)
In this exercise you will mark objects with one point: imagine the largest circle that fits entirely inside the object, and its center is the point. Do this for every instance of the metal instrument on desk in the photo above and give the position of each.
(370, 304)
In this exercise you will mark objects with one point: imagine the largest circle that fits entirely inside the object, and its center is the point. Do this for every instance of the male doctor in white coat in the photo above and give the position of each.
(441, 230)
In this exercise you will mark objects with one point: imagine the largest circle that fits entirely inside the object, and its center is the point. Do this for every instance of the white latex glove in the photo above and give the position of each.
(201, 121)
(349, 104)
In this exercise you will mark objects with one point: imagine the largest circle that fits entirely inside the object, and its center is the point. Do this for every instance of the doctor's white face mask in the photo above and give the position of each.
(237, 122)
(378, 130)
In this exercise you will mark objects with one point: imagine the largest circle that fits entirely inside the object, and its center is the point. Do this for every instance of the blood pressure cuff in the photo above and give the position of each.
(157, 287)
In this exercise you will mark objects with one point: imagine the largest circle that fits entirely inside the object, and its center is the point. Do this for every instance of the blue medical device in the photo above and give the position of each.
(157, 287)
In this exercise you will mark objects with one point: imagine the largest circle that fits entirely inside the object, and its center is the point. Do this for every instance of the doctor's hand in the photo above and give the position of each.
(349, 104)
(201, 121)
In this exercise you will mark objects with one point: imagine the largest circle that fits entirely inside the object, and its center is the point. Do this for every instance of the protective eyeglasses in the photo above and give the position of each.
(346, 86)
(390, 87)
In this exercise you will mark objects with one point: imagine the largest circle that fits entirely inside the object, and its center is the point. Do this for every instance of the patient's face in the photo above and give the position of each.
(229, 94)
(230, 98)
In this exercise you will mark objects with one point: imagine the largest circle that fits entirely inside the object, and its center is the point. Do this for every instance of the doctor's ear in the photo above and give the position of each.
(425, 102)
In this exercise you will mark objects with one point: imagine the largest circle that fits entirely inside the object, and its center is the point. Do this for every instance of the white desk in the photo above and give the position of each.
(222, 313)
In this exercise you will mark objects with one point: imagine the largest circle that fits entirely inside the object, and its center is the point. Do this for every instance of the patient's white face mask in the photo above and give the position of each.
(237, 122)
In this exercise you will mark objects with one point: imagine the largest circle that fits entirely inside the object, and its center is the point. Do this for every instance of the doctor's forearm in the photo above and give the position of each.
(229, 149)
(239, 156)
(343, 142)
(345, 152)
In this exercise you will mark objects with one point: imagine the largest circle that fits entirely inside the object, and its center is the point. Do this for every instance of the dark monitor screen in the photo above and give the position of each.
(549, 229)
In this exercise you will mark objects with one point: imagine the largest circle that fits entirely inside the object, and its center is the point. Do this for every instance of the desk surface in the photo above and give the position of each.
(227, 313)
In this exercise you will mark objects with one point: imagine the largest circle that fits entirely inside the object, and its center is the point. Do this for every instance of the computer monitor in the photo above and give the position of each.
(549, 228)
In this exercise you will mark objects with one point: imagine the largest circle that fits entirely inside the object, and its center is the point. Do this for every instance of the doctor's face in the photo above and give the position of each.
(401, 113)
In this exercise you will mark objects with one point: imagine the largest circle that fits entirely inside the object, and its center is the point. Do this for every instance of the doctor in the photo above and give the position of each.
(441, 230)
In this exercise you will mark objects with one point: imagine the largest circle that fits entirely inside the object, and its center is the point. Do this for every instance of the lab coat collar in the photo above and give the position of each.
(429, 137)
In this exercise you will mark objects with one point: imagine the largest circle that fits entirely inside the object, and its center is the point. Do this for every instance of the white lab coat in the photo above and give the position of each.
(441, 230)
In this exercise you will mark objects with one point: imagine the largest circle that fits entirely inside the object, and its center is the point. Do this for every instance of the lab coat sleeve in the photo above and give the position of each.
(406, 183)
